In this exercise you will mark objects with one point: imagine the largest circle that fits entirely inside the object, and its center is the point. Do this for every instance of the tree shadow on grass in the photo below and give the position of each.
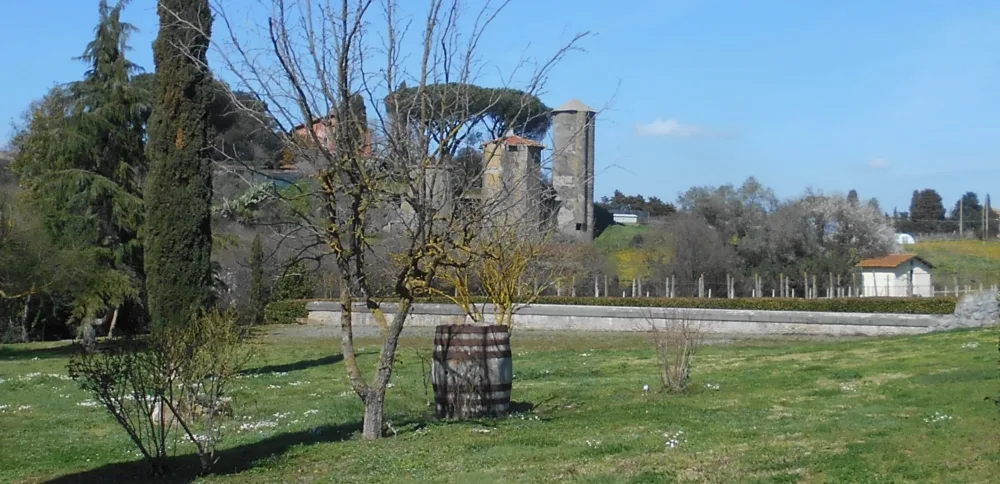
(24, 352)
(298, 365)
(185, 468)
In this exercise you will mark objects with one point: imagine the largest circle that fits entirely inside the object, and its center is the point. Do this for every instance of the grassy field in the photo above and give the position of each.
(907, 409)
(971, 261)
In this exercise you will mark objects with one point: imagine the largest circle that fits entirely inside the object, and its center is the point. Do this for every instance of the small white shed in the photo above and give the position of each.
(896, 275)
(626, 218)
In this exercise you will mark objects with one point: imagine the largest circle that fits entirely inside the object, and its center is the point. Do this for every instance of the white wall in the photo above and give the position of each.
(895, 282)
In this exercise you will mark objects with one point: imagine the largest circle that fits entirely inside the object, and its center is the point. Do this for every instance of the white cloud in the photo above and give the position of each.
(671, 128)
(879, 163)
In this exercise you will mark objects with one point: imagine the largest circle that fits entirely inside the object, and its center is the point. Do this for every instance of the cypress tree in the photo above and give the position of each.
(179, 188)
(258, 286)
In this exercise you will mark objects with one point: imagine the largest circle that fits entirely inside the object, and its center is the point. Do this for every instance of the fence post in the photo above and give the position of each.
(815, 294)
(701, 286)
(639, 285)
(558, 288)
(606, 293)
(673, 286)
(572, 289)
(597, 290)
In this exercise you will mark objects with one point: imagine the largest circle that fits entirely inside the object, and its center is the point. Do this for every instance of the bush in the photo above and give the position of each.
(177, 379)
(885, 305)
(285, 312)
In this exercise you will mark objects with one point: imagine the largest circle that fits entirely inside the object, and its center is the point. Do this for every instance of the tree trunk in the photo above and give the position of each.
(374, 413)
(114, 320)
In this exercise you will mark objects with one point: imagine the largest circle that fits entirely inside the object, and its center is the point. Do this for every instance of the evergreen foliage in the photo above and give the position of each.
(81, 160)
(258, 286)
(179, 188)
(926, 211)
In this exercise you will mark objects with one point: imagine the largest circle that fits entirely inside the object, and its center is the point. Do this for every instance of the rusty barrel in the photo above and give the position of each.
(472, 371)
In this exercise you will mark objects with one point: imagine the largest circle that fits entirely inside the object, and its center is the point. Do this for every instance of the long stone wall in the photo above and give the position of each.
(972, 311)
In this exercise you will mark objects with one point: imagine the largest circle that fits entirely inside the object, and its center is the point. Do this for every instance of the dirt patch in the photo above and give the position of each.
(883, 378)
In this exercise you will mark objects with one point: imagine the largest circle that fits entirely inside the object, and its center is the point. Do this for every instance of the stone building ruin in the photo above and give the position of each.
(515, 187)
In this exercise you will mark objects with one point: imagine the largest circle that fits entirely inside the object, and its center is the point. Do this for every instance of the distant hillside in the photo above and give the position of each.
(972, 261)
(615, 241)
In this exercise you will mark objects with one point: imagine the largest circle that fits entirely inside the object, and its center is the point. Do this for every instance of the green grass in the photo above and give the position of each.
(973, 262)
(790, 411)
(618, 237)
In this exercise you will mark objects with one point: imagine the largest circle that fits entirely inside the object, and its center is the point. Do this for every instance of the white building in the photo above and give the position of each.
(905, 239)
(896, 275)
(626, 218)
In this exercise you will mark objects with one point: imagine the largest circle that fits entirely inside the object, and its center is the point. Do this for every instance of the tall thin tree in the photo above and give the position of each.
(179, 189)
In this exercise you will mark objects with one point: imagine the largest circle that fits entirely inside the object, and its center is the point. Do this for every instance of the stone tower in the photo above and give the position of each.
(512, 185)
(573, 169)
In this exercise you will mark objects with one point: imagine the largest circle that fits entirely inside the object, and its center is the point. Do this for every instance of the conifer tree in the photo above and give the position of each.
(82, 160)
(258, 286)
(179, 188)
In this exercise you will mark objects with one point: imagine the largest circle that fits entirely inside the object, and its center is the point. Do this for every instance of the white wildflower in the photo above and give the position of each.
(938, 417)
(847, 387)
(263, 424)
(970, 345)
(311, 412)
(674, 439)
(712, 386)
(23, 407)
(482, 431)
(88, 403)
(645, 388)
(274, 387)
(584, 355)
(279, 373)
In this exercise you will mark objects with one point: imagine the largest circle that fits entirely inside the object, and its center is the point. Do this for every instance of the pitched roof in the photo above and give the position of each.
(515, 140)
(574, 105)
(891, 261)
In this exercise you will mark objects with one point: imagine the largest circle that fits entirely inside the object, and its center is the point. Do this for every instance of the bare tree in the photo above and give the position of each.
(379, 166)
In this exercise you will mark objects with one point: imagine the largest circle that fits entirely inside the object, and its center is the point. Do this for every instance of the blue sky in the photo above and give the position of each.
(881, 96)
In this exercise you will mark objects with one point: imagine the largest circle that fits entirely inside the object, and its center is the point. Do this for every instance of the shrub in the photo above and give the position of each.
(676, 343)
(285, 312)
(175, 381)
(295, 283)
(886, 305)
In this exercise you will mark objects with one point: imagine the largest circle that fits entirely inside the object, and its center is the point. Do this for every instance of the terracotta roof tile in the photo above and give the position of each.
(891, 261)
(515, 140)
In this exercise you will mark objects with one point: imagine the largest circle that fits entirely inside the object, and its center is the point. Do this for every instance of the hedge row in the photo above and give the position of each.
(285, 312)
(884, 305)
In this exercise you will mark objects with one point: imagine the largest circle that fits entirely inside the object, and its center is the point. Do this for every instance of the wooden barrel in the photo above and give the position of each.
(472, 371)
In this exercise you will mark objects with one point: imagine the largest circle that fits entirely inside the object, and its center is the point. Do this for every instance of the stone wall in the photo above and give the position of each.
(972, 311)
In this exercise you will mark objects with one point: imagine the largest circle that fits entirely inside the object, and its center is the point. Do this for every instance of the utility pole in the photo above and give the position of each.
(961, 215)
(986, 232)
